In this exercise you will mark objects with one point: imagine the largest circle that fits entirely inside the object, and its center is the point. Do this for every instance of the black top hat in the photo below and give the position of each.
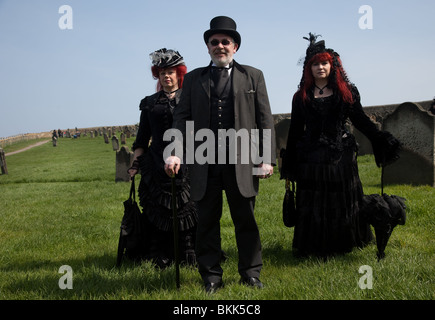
(225, 25)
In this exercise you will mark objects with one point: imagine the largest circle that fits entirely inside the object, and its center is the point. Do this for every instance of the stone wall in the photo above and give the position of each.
(68, 133)
(23, 137)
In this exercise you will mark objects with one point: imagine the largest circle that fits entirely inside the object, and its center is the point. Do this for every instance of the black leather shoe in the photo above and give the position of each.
(253, 282)
(212, 287)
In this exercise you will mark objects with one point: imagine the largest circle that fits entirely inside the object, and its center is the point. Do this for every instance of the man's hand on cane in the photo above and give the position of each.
(172, 165)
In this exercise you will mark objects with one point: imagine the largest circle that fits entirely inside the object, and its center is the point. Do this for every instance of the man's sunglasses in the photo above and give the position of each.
(225, 42)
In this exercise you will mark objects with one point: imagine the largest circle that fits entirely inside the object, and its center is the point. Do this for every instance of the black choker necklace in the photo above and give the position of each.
(169, 93)
(320, 89)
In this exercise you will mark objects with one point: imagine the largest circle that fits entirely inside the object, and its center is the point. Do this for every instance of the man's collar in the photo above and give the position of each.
(228, 66)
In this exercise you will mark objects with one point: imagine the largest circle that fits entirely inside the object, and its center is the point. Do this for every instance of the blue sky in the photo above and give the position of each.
(96, 73)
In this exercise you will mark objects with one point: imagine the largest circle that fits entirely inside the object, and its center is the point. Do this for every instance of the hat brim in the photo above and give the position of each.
(232, 33)
(171, 64)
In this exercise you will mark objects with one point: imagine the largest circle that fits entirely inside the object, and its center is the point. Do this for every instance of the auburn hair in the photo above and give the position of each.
(338, 80)
(181, 70)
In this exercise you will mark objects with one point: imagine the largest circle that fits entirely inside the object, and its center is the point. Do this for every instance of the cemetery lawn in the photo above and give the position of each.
(61, 206)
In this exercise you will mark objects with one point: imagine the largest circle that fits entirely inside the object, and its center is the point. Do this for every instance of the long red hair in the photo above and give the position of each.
(338, 80)
(181, 70)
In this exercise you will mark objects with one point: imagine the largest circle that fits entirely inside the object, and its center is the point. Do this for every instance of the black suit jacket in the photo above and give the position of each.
(251, 111)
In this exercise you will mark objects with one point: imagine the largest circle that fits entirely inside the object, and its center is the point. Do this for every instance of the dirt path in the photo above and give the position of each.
(27, 148)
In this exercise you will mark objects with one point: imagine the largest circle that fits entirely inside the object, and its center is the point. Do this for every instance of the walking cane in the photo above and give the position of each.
(175, 226)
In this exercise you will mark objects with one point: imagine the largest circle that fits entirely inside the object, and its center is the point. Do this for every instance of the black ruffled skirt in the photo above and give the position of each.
(155, 198)
(328, 195)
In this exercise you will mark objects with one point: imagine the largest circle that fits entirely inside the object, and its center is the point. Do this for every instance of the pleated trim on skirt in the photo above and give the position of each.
(155, 196)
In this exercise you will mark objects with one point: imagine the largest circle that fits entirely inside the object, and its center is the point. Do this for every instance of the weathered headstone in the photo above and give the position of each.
(281, 133)
(106, 138)
(4, 168)
(92, 134)
(124, 159)
(115, 143)
(123, 138)
(415, 128)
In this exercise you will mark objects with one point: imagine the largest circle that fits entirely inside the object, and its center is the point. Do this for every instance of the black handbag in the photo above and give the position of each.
(132, 229)
(289, 215)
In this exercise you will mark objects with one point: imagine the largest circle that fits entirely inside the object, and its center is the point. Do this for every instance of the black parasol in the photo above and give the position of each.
(384, 212)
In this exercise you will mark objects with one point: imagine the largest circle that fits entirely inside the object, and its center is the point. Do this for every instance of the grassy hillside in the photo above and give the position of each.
(61, 206)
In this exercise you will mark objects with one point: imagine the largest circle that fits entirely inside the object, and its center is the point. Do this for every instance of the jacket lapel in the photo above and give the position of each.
(237, 78)
(205, 80)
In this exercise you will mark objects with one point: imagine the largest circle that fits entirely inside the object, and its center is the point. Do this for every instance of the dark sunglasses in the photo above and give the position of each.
(215, 42)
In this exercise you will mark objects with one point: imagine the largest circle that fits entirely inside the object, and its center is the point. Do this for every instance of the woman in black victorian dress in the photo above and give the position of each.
(155, 191)
(321, 157)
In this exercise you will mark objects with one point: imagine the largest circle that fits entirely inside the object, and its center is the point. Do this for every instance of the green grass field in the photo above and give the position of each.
(61, 206)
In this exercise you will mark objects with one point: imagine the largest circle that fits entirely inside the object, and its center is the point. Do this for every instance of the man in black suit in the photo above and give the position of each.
(223, 97)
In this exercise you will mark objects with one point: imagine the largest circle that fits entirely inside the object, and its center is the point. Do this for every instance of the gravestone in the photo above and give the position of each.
(281, 133)
(4, 168)
(124, 159)
(123, 138)
(92, 134)
(415, 128)
(115, 143)
(106, 138)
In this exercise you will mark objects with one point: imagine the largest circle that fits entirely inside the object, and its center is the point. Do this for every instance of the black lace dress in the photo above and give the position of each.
(321, 156)
(155, 188)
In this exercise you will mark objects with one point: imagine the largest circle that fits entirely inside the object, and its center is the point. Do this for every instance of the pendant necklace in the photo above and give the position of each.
(320, 89)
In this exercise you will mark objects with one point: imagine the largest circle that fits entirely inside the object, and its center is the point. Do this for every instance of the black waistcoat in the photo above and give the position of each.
(222, 107)
(222, 117)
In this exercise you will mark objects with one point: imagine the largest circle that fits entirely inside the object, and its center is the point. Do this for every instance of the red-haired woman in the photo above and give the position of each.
(155, 191)
(321, 157)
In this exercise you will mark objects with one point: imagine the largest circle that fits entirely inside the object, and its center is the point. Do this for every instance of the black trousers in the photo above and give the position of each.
(208, 240)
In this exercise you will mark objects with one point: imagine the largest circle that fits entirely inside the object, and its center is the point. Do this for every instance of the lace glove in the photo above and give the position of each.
(134, 166)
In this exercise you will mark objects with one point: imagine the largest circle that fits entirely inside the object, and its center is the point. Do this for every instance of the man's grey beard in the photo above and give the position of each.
(221, 63)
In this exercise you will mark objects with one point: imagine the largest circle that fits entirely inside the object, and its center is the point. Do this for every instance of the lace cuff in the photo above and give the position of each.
(386, 148)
